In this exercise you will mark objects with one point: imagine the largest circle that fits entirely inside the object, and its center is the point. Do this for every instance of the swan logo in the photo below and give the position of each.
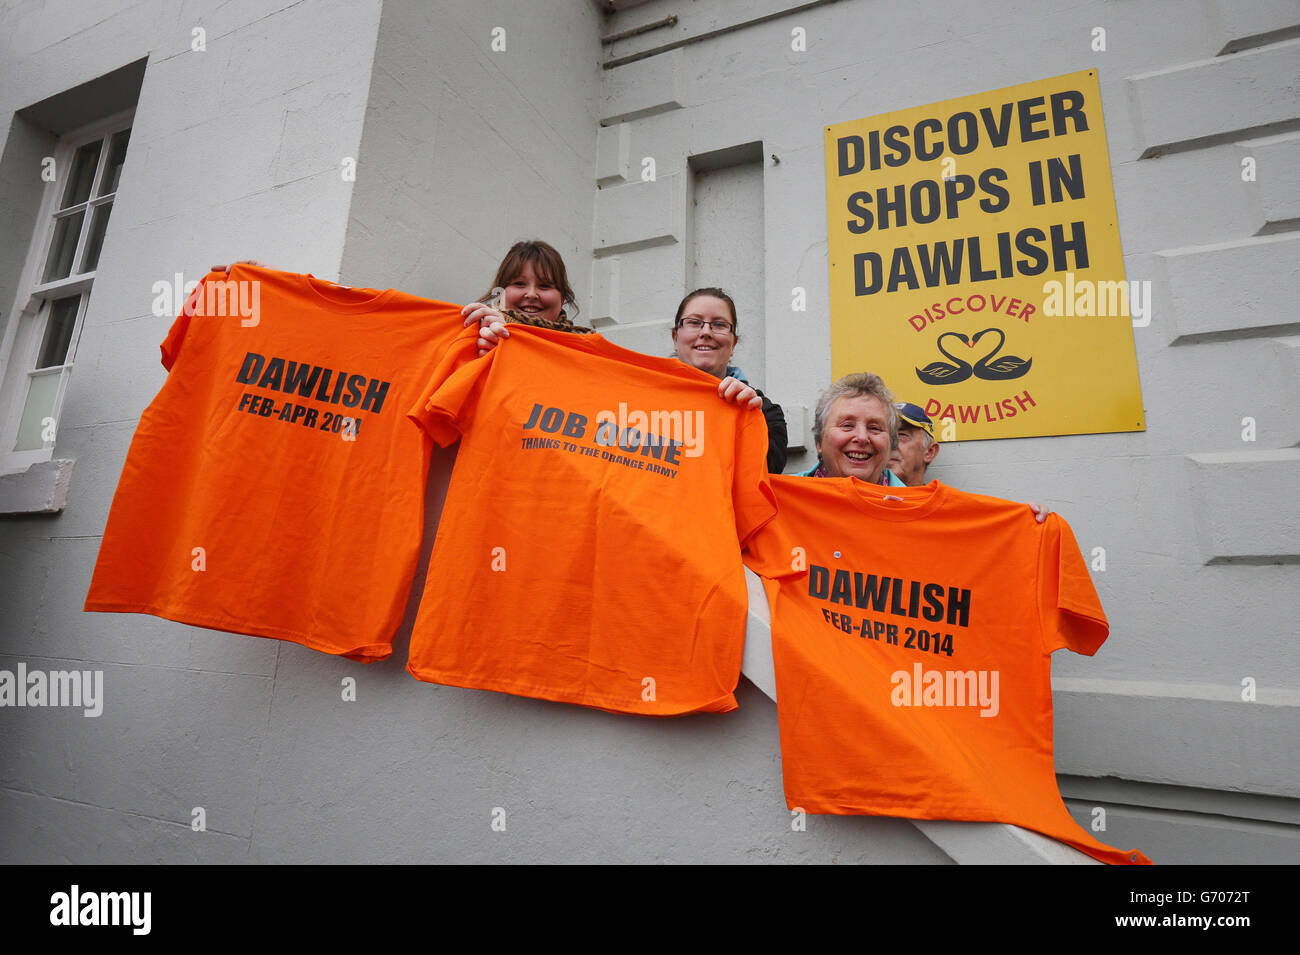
(993, 366)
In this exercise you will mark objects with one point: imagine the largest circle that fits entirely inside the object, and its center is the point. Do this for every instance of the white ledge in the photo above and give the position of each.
(41, 489)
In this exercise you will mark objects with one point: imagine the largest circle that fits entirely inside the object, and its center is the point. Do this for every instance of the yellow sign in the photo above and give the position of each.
(976, 266)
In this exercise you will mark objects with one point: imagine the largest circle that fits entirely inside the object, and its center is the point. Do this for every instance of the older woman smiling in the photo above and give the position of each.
(855, 425)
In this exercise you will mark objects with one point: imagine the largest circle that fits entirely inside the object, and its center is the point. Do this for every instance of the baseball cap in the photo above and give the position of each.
(915, 416)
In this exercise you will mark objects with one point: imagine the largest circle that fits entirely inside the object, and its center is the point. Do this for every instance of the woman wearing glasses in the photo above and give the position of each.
(705, 334)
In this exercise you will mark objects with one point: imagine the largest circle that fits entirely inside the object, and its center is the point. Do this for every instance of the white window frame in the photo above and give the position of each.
(25, 329)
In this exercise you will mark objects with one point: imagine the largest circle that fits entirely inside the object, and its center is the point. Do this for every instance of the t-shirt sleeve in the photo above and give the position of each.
(171, 345)
(773, 553)
(779, 549)
(1069, 609)
(450, 397)
(751, 493)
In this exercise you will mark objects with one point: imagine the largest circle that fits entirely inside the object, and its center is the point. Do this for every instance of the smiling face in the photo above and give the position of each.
(707, 349)
(530, 293)
(855, 438)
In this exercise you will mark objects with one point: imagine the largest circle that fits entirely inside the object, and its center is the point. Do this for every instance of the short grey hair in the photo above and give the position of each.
(851, 386)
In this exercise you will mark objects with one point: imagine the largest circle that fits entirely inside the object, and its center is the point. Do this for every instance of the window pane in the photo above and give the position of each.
(42, 389)
(58, 332)
(116, 156)
(82, 175)
(95, 241)
(63, 246)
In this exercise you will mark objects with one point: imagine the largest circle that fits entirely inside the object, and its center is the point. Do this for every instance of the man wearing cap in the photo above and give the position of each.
(916, 444)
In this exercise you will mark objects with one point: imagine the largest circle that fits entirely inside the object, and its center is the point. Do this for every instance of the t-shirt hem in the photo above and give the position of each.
(365, 653)
(722, 704)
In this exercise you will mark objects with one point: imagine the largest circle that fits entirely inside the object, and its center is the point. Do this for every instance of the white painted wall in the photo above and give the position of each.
(479, 132)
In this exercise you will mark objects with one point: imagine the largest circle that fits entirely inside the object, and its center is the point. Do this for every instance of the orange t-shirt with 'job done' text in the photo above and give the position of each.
(588, 551)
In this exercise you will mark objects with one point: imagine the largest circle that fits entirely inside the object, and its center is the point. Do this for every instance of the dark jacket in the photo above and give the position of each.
(776, 434)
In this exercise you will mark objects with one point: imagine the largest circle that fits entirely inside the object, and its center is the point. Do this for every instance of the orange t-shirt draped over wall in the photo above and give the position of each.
(912, 632)
(275, 486)
(579, 558)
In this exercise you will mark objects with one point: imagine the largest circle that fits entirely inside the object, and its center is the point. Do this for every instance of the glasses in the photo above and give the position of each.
(696, 324)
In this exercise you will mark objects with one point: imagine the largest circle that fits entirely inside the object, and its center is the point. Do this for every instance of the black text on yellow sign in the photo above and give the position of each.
(975, 262)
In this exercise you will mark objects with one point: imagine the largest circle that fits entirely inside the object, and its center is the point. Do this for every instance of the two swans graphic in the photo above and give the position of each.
(990, 367)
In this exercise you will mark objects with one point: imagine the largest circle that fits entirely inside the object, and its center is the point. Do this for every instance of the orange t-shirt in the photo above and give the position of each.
(275, 486)
(912, 640)
(583, 561)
